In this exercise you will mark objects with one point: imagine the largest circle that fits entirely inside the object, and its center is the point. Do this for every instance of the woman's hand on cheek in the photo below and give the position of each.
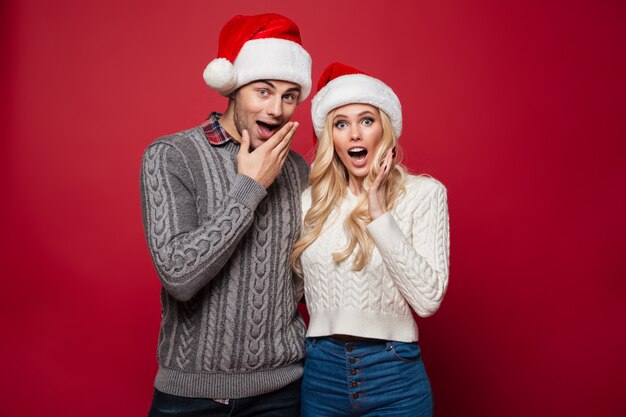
(376, 200)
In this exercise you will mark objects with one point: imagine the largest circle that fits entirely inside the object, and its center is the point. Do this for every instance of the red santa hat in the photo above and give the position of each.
(262, 47)
(340, 85)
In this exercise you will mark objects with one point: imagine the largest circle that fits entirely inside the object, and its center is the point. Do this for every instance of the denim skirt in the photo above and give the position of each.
(364, 378)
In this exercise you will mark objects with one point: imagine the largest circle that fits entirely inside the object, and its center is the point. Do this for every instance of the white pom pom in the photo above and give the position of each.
(220, 75)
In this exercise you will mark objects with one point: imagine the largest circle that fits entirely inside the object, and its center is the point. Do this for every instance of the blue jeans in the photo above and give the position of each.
(364, 378)
(282, 403)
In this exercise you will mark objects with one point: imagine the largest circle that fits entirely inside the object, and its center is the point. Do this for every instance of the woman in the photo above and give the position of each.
(374, 247)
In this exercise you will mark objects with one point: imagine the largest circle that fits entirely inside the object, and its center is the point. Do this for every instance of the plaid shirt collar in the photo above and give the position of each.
(214, 131)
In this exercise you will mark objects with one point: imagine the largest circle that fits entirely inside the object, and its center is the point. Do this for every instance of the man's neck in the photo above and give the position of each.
(227, 121)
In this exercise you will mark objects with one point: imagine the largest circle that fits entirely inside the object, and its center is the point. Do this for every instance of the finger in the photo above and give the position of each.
(282, 150)
(378, 180)
(284, 146)
(278, 137)
(383, 173)
(245, 142)
(387, 170)
(387, 163)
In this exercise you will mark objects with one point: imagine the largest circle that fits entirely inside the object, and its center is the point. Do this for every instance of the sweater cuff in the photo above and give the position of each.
(247, 191)
(385, 231)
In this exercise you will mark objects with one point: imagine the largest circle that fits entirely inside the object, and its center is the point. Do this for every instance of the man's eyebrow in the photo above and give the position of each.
(293, 90)
(267, 82)
(289, 90)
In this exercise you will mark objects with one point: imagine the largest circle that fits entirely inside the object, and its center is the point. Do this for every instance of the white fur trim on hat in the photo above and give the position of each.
(355, 88)
(264, 59)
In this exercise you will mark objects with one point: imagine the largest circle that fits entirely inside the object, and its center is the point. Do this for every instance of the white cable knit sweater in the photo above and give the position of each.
(408, 268)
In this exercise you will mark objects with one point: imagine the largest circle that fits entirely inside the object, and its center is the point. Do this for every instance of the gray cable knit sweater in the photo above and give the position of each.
(221, 243)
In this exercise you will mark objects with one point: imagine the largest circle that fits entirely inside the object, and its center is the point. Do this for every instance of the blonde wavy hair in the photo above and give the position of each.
(329, 181)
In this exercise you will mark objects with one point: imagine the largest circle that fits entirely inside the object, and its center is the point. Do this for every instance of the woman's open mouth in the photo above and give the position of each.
(358, 155)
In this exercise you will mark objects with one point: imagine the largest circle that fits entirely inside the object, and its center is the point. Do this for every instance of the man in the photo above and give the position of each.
(221, 209)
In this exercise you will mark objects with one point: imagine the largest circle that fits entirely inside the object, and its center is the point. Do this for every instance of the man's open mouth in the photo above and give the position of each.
(266, 129)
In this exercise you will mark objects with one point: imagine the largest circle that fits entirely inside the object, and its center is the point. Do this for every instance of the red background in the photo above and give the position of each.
(518, 107)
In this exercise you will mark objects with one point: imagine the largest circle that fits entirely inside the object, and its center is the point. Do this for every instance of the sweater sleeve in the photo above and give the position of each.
(188, 252)
(418, 264)
(305, 204)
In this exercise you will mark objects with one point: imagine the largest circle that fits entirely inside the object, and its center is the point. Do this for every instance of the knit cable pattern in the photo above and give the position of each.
(418, 265)
(220, 243)
(186, 259)
(408, 269)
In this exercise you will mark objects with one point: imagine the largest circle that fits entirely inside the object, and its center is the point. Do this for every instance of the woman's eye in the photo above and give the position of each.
(368, 121)
(340, 125)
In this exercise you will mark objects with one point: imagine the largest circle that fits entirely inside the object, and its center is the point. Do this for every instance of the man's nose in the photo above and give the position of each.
(275, 107)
